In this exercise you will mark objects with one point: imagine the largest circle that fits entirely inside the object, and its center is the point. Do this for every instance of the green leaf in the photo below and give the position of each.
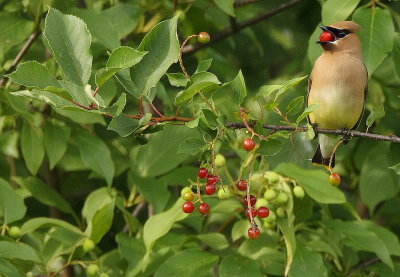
(15, 29)
(236, 266)
(287, 229)
(191, 146)
(160, 224)
(295, 106)
(396, 55)
(7, 269)
(337, 10)
(46, 222)
(396, 168)
(32, 147)
(270, 147)
(177, 79)
(376, 35)
(377, 113)
(155, 156)
(214, 240)
(163, 47)
(306, 112)
(116, 108)
(199, 81)
(96, 155)
(124, 17)
(314, 49)
(45, 194)
(239, 88)
(375, 171)
(98, 212)
(227, 6)
(359, 238)
(307, 263)
(121, 58)
(100, 27)
(240, 229)
(55, 141)
(12, 207)
(123, 125)
(204, 65)
(314, 182)
(289, 84)
(69, 40)
(268, 90)
(226, 206)
(194, 262)
(21, 251)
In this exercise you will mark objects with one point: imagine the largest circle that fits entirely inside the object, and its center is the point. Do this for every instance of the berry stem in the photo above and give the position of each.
(333, 154)
(249, 207)
(180, 55)
(242, 114)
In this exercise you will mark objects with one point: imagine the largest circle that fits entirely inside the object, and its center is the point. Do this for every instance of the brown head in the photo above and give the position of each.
(341, 37)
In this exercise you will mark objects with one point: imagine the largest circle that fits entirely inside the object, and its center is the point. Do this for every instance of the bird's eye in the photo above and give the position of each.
(343, 33)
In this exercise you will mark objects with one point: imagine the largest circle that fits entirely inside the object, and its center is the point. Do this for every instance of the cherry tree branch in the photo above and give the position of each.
(352, 133)
(239, 26)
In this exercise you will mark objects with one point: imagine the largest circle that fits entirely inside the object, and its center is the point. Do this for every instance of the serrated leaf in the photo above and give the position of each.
(96, 155)
(239, 88)
(12, 207)
(306, 112)
(32, 147)
(55, 141)
(377, 113)
(203, 65)
(295, 106)
(270, 147)
(69, 40)
(307, 263)
(337, 10)
(123, 125)
(163, 47)
(376, 35)
(191, 146)
(116, 108)
(177, 79)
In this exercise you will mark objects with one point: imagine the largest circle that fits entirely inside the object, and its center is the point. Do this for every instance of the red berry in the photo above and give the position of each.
(253, 213)
(242, 185)
(188, 207)
(212, 179)
(263, 212)
(326, 36)
(202, 173)
(253, 232)
(248, 144)
(334, 179)
(253, 200)
(203, 208)
(203, 37)
(209, 189)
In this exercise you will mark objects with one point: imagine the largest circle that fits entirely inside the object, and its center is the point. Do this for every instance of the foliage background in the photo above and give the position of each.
(68, 175)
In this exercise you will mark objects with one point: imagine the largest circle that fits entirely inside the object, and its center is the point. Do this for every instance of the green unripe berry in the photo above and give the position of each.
(185, 190)
(188, 196)
(272, 177)
(270, 194)
(219, 160)
(14, 232)
(257, 179)
(203, 38)
(224, 194)
(298, 192)
(271, 217)
(29, 274)
(92, 269)
(88, 245)
(261, 202)
(104, 275)
(281, 212)
(268, 225)
(282, 198)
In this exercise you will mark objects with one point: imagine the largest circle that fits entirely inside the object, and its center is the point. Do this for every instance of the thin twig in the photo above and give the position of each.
(338, 132)
(20, 55)
(245, 2)
(190, 49)
(181, 49)
(362, 265)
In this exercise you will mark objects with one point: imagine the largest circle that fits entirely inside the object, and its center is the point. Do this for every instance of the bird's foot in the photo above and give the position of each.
(347, 135)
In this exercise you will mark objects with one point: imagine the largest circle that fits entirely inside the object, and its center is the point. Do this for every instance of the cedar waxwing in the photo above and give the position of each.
(338, 83)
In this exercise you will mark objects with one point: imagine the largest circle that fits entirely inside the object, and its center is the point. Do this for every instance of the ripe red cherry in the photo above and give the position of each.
(253, 200)
(242, 185)
(253, 213)
(334, 179)
(253, 232)
(209, 189)
(212, 179)
(326, 36)
(203, 208)
(263, 212)
(248, 144)
(202, 173)
(188, 207)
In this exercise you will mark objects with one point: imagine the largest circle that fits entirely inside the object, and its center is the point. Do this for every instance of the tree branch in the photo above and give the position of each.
(190, 49)
(351, 133)
(241, 3)
(21, 54)
(362, 265)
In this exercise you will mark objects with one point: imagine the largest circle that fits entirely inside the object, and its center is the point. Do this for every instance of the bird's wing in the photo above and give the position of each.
(308, 93)
(365, 97)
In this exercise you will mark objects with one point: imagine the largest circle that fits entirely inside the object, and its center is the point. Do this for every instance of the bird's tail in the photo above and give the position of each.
(318, 159)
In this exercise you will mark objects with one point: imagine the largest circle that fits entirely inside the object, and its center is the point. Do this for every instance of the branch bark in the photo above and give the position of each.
(351, 133)
(21, 54)
(190, 49)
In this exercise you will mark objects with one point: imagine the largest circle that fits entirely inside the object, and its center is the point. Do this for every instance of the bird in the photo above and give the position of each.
(338, 83)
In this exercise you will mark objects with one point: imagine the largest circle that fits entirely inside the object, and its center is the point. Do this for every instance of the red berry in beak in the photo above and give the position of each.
(326, 36)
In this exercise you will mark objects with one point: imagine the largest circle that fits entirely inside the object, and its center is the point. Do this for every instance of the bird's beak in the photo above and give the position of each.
(325, 29)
